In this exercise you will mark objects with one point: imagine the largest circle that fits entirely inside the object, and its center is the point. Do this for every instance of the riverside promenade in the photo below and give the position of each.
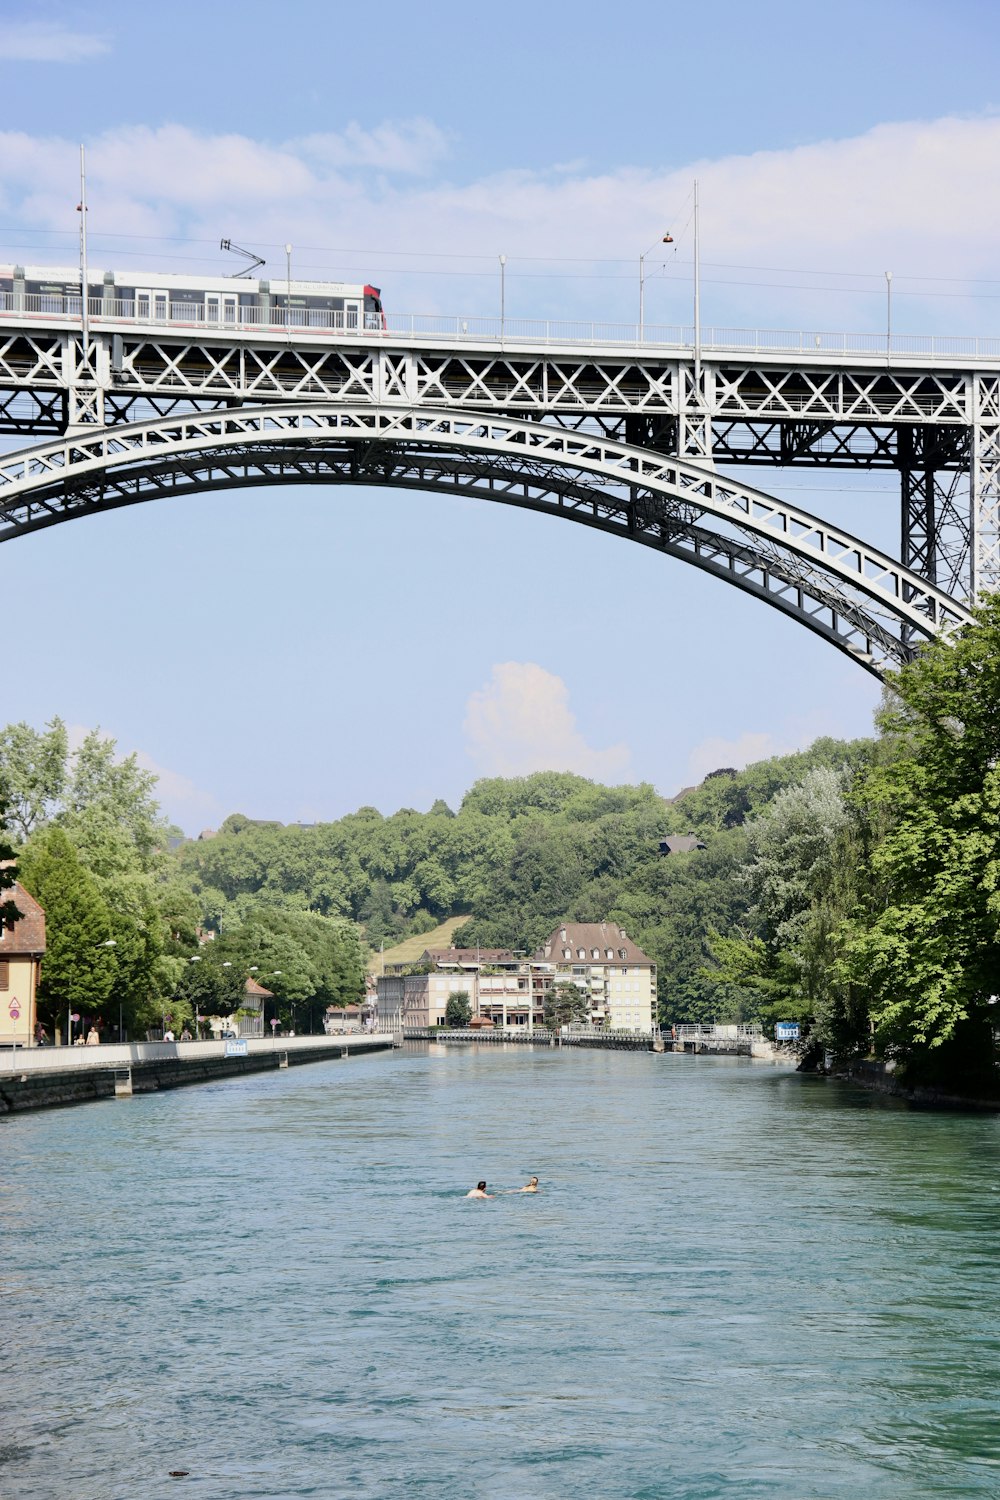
(46, 1077)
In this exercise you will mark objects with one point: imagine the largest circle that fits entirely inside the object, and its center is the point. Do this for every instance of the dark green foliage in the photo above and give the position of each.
(564, 1003)
(79, 969)
(925, 942)
(458, 1011)
(523, 854)
(8, 872)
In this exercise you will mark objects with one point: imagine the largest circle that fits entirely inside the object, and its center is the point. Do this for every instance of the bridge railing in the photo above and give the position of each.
(716, 1032)
(40, 307)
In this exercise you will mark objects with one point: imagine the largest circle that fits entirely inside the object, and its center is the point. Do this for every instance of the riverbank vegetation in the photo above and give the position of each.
(853, 887)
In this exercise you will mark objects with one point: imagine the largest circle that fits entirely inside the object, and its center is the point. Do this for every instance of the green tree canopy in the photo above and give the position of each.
(458, 1011)
(32, 773)
(926, 947)
(564, 1003)
(79, 969)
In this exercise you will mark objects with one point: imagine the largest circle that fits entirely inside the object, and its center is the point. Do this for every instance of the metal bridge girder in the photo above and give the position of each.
(754, 399)
(870, 605)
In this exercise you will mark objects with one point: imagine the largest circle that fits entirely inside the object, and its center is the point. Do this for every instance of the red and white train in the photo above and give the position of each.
(217, 301)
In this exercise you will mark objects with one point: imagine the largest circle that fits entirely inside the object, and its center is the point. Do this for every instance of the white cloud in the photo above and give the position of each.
(796, 733)
(181, 800)
(47, 41)
(715, 753)
(408, 146)
(827, 208)
(521, 722)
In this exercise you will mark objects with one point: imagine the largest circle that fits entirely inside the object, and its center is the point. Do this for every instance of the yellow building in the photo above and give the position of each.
(22, 944)
(617, 978)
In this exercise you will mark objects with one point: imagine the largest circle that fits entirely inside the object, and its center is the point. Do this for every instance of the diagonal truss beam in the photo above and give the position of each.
(863, 601)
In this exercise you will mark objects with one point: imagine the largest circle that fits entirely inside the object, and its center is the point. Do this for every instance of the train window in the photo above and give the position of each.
(51, 299)
(221, 307)
(152, 305)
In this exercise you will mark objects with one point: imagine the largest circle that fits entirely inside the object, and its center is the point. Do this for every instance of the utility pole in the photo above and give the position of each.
(81, 209)
(697, 299)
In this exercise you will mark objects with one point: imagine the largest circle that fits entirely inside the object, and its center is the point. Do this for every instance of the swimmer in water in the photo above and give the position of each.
(479, 1191)
(530, 1187)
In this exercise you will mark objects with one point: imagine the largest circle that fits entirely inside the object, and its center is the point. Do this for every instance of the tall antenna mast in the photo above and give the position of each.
(255, 260)
(81, 209)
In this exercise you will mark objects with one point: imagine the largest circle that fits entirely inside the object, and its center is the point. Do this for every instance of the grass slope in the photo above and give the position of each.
(410, 949)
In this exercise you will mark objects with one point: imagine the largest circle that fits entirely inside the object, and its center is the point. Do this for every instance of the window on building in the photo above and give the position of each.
(4, 974)
(609, 953)
(623, 953)
(567, 953)
(581, 953)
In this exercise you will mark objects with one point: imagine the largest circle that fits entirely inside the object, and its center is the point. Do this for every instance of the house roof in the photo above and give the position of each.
(27, 934)
(253, 988)
(681, 843)
(591, 935)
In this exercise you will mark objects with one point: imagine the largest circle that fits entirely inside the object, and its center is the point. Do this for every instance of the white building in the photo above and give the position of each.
(618, 979)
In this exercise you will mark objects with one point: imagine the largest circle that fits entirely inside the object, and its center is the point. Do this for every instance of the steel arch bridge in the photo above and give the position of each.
(624, 437)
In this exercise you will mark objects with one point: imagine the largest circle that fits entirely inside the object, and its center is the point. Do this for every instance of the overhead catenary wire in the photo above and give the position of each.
(108, 238)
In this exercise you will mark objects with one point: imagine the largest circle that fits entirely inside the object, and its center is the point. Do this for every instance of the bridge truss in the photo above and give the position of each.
(641, 441)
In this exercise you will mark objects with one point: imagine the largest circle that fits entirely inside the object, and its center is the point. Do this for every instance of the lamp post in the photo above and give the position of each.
(112, 943)
(666, 239)
(697, 299)
(288, 286)
(227, 964)
(196, 959)
(503, 291)
(276, 974)
(84, 275)
(888, 314)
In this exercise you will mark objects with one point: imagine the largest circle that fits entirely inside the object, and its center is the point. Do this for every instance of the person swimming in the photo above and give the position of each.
(479, 1191)
(531, 1186)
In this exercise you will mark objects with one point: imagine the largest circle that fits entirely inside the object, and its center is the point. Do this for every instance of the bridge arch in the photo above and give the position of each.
(857, 598)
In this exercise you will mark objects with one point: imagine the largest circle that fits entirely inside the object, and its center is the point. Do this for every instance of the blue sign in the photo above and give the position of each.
(786, 1031)
(236, 1049)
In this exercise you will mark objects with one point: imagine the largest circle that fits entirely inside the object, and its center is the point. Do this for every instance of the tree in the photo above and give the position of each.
(110, 812)
(458, 1011)
(564, 1003)
(79, 969)
(926, 945)
(32, 773)
(8, 872)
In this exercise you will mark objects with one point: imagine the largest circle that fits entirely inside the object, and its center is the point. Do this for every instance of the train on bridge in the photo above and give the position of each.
(216, 301)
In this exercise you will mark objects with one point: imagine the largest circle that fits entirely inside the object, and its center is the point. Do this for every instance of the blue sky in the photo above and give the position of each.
(297, 653)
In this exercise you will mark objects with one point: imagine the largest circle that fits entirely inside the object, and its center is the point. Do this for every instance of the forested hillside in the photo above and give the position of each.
(521, 854)
(854, 887)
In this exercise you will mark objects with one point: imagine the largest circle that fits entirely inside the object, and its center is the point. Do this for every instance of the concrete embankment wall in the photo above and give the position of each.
(882, 1078)
(43, 1077)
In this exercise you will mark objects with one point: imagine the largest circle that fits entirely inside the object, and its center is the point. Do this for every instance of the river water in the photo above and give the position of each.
(735, 1282)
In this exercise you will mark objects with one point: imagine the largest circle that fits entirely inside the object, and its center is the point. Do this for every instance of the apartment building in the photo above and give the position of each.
(509, 988)
(618, 979)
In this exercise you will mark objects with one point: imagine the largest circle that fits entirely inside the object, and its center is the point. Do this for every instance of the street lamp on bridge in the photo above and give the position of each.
(666, 239)
(503, 291)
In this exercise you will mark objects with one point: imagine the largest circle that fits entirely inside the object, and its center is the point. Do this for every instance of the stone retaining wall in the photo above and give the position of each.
(35, 1086)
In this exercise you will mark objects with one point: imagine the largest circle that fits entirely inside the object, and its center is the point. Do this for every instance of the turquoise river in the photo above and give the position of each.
(736, 1282)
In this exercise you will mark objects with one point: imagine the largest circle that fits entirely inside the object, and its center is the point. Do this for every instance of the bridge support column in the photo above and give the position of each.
(985, 485)
(87, 376)
(695, 406)
(936, 523)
